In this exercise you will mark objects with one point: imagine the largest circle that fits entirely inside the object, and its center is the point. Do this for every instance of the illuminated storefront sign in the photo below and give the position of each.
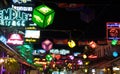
(21, 1)
(27, 8)
(15, 39)
(32, 34)
(12, 17)
(60, 51)
(22, 8)
(113, 30)
(39, 52)
(3, 39)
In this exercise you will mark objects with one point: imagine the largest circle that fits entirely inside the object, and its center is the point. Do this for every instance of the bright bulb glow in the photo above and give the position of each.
(84, 56)
(115, 53)
(92, 44)
(1, 60)
(114, 42)
(71, 57)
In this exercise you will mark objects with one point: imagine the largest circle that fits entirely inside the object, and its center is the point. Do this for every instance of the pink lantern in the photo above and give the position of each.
(47, 45)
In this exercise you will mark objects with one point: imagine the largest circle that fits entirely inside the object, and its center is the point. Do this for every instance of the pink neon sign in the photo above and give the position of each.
(15, 39)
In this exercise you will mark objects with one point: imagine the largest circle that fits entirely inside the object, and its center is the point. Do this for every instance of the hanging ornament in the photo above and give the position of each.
(114, 42)
(58, 56)
(47, 45)
(48, 57)
(92, 44)
(71, 57)
(71, 43)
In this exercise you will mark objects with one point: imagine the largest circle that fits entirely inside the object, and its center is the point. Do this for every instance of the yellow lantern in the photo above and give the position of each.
(71, 43)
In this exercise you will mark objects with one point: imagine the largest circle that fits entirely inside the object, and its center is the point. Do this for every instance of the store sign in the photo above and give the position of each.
(12, 17)
(27, 8)
(23, 8)
(35, 34)
(21, 1)
(113, 30)
(3, 39)
(15, 39)
(60, 51)
(39, 52)
(32, 35)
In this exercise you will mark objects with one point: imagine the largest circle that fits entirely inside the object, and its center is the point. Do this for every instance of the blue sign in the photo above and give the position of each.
(3, 39)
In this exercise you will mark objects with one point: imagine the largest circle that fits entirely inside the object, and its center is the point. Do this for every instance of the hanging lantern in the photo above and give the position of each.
(57, 56)
(92, 44)
(48, 57)
(115, 54)
(80, 62)
(71, 57)
(47, 45)
(71, 43)
(43, 16)
(114, 42)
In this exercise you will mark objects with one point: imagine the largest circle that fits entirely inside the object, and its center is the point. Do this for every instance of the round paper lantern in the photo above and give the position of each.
(47, 45)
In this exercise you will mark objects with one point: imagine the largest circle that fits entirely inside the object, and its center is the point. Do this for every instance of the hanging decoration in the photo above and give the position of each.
(71, 43)
(92, 44)
(114, 42)
(48, 57)
(71, 57)
(43, 16)
(47, 45)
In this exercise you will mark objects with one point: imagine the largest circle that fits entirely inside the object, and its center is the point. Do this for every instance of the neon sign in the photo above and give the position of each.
(3, 39)
(113, 30)
(22, 8)
(12, 17)
(15, 39)
(60, 51)
(21, 1)
(28, 10)
(32, 34)
(39, 52)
